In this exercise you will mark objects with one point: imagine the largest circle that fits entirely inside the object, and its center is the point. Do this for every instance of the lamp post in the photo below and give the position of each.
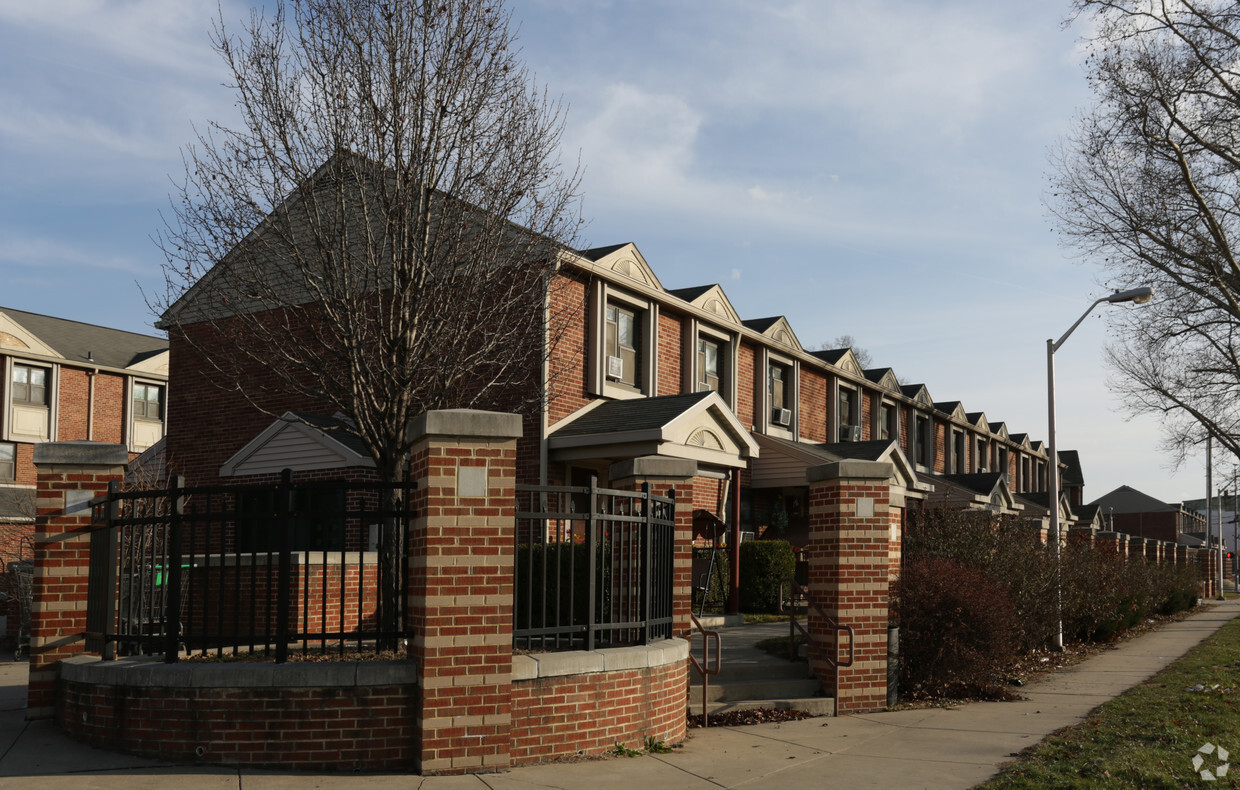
(1137, 296)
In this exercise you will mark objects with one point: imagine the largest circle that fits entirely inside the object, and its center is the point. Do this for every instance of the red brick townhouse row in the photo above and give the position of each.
(63, 380)
(642, 370)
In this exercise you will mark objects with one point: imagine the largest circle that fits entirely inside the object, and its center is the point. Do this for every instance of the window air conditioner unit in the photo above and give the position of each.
(850, 433)
(782, 417)
(703, 386)
(615, 368)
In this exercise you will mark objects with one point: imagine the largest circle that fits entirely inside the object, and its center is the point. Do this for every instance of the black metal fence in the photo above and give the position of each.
(310, 566)
(593, 567)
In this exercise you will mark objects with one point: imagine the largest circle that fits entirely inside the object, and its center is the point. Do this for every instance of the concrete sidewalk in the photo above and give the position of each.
(936, 748)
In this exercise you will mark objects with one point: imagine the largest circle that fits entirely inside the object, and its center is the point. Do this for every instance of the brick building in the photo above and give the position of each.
(1128, 510)
(63, 380)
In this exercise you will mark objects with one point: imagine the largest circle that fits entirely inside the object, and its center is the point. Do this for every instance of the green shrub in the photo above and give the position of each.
(764, 564)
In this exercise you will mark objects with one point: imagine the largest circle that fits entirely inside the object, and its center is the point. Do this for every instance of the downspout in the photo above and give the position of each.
(90, 405)
(734, 547)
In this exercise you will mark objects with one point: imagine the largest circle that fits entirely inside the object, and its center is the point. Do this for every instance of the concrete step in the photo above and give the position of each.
(746, 691)
(770, 669)
(816, 706)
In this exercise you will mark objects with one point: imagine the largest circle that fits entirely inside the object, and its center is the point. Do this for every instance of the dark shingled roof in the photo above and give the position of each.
(1127, 499)
(637, 414)
(947, 407)
(979, 482)
(831, 356)
(911, 390)
(75, 341)
(859, 451)
(338, 428)
(761, 324)
(876, 374)
(596, 253)
(974, 416)
(1040, 498)
(689, 294)
(1071, 474)
(1086, 512)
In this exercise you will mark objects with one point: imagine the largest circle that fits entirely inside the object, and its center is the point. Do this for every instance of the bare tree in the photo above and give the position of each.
(847, 341)
(1148, 186)
(377, 234)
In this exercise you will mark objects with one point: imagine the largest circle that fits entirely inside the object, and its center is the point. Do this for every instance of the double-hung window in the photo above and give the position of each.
(850, 415)
(622, 345)
(709, 368)
(29, 385)
(779, 393)
(8, 462)
(148, 402)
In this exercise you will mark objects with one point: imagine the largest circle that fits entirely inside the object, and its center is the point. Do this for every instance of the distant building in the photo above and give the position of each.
(1128, 510)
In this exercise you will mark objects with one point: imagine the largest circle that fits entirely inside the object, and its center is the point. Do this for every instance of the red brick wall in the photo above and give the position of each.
(110, 409)
(670, 351)
(74, 394)
(745, 360)
(571, 354)
(367, 727)
(559, 717)
(813, 409)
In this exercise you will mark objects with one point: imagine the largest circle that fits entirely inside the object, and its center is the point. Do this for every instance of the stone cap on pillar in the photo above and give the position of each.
(465, 423)
(660, 466)
(850, 469)
(80, 453)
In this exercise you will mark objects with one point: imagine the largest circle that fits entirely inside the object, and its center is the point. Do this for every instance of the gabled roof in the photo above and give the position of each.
(626, 260)
(697, 425)
(81, 343)
(919, 393)
(710, 298)
(301, 442)
(978, 420)
(884, 377)
(1071, 474)
(999, 429)
(784, 462)
(951, 408)
(1020, 438)
(1127, 499)
(776, 328)
(979, 490)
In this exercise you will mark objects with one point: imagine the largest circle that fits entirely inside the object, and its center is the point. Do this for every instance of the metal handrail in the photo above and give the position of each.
(797, 592)
(705, 667)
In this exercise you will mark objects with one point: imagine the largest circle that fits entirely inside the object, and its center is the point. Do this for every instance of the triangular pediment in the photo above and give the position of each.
(1038, 447)
(713, 300)
(1022, 440)
(627, 261)
(919, 394)
(978, 420)
(289, 443)
(999, 429)
(952, 409)
(15, 336)
(848, 363)
(156, 365)
(884, 377)
(697, 426)
(777, 329)
(784, 462)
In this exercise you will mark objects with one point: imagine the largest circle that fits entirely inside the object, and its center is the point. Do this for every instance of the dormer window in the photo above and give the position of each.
(887, 421)
(958, 457)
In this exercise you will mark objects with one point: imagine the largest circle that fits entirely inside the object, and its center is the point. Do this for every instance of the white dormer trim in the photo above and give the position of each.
(289, 443)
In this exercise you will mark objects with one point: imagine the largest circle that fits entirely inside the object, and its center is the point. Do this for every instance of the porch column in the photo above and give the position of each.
(461, 587)
(851, 526)
(69, 475)
(665, 475)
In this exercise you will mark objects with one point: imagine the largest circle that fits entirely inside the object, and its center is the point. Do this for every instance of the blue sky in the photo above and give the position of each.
(867, 168)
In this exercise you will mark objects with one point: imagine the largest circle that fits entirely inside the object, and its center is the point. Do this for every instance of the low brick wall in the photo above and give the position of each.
(301, 716)
(585, 702)
(341, 716)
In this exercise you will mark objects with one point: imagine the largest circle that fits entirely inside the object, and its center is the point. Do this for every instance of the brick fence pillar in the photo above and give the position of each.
(664, 475)
(461, 587)
(1081, 536)
(850, 540)
(1181, 555)
(69, 474)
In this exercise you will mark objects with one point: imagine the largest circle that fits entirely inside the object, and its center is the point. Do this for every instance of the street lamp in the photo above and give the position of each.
(1137, 296)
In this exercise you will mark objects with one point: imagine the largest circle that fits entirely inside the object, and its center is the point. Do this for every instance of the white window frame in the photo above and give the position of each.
(646, 314)
(131, 418)
(695, 332)
(11, 478)
(763, 399)
(893, 430)
(854, 405)
(6, 404)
